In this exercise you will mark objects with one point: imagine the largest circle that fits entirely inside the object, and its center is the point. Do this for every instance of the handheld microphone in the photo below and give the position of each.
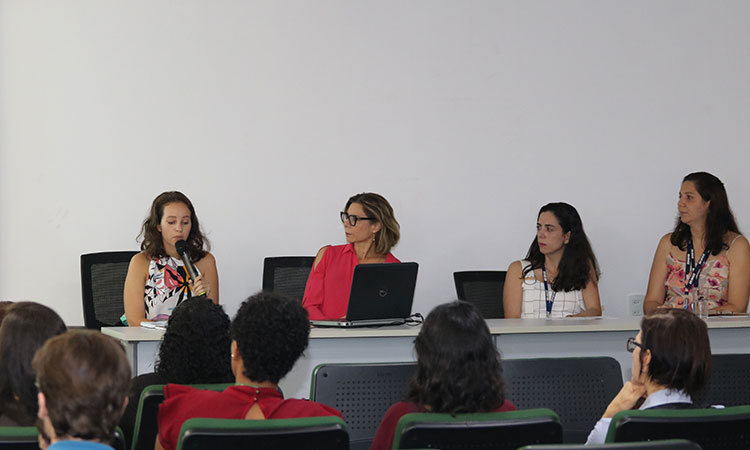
(182, 249)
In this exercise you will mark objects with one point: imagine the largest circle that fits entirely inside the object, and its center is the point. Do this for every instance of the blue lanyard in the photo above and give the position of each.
(549, 300)
(693, 269)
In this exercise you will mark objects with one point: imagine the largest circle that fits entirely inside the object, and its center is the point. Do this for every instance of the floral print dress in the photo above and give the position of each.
(713, 282)
(166, 287)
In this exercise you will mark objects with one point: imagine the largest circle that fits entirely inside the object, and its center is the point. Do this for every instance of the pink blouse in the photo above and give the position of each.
(328, 286)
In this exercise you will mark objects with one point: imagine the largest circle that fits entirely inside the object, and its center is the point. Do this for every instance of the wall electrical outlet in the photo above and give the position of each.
(635, 304)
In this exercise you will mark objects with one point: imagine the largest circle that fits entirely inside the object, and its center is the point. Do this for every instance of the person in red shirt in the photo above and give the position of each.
(371, 231)
(458, 370)
(269, 333)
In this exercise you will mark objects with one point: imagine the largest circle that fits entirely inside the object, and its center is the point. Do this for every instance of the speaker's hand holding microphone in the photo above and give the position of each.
(199, 286)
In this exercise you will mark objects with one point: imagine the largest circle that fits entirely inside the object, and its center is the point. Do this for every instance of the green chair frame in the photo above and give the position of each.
(311, 433)
(712, 429)
(669, 444)
(498, 430)
(146, 420)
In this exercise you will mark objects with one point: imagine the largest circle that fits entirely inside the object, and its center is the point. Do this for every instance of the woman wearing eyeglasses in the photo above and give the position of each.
(371, 232)
(671, 362)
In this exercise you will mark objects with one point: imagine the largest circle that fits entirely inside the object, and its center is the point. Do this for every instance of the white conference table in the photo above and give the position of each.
(515, 338)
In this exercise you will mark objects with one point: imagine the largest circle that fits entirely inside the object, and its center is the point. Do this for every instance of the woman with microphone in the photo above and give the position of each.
(705, 256)
(157, 279)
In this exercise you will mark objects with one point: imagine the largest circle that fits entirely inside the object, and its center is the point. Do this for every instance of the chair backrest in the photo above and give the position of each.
(498, 430)
(362, 393)
(578, 389)
(147, 418)
(118, 442)
(102, 283)
(19, 438)
(712, 429)
(668, 444)
(26, 438)
(483, 288)
(729, 384)
(314, 433)
(287, 275)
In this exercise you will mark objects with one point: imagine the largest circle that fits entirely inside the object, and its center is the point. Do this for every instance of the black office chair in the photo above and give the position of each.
(494, 430)
(669, 444)
(287, 275)
(729, 384)
(313, 433)
(712, 429)
(19, 438)
(102, 283)
(483, 288)
(362, 393)
(147, 418)
(578, 389)
(27, 438)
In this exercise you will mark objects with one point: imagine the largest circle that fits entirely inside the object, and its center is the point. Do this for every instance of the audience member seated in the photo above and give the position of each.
(26, 327)
(458, 370)
(194, 350)
(559, 276)
(157, 280)
(83, 378)
(371, 232)
(671, 362)
(4, 306)
(706, 230)
(269, 333)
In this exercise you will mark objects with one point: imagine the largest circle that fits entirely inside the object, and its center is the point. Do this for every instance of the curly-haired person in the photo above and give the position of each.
(458, 370)
(269, 334)
(194, 350)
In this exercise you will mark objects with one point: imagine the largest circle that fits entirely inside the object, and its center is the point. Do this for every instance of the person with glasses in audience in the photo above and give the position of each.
(559, 276)
(458, 370)
(671, 363)
(371, 232)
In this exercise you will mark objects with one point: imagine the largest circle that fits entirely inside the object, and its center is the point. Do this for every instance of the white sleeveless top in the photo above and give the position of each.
(166, 287)
(534, 302)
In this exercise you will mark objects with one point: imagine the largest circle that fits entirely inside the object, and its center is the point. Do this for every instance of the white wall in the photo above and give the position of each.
(466, 115)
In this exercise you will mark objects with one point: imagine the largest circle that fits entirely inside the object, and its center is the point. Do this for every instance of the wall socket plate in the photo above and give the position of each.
(635, 304)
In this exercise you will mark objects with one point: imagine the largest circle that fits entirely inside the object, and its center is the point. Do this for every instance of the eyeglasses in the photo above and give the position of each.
(632, 345)
(352, 219)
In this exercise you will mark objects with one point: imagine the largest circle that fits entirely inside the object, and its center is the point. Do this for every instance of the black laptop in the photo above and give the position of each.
(381, 294)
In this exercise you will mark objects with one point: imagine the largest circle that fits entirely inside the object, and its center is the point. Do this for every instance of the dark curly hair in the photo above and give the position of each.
(719, 219)
(152, 243)
(196, 345)
(271, 332)
(25, 328)
(458, 365)
(578, 257)
(680, 349)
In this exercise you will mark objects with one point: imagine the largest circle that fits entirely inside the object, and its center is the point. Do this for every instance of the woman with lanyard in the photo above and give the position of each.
(705, 227)
(559, 276)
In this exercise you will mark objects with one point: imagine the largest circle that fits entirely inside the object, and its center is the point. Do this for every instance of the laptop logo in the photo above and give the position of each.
(383, 292)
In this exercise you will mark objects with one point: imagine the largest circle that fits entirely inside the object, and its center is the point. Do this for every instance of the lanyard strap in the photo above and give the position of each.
(693, 269)
(549, 300)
